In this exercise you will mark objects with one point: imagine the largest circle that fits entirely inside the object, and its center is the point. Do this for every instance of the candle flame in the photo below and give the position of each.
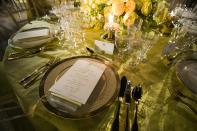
(111, 18)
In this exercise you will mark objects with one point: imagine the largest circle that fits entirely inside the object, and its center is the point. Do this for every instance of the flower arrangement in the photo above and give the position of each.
(154, 13)
(93, 11)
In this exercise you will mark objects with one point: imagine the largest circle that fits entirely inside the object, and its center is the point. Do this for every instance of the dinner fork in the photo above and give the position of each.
(36, 71)
(32, 77)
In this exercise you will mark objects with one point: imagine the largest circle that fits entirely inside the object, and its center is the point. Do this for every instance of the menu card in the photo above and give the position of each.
(77, 84)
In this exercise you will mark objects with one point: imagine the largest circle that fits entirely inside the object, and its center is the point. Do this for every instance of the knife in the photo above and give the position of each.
(123, 84)
(35, 28)
(128, 102)
(93, 53)
(136, 94)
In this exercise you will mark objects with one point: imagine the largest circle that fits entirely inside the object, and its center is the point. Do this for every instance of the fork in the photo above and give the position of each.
(35, 71)
(30, 79)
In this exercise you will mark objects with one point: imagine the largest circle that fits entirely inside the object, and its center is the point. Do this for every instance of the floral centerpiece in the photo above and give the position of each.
(93, 11)
(153, 13)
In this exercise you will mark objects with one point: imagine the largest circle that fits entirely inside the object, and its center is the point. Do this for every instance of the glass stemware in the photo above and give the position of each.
(184, 32)
(123, 44)
(70, 34)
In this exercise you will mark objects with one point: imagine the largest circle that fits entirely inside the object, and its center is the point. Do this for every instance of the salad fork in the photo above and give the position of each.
(32, 77)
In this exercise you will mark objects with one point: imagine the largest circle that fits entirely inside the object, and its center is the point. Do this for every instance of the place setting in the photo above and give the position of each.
(32, 39)
(69, 89)
(181, 80)
(82, 87)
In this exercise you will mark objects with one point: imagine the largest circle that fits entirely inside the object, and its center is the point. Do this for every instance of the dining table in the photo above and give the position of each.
(158, 109)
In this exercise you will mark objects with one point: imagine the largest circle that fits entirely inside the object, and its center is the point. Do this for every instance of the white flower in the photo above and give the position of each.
(129, 18)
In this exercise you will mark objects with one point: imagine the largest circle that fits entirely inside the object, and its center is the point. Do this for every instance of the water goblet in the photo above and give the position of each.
(123, 44)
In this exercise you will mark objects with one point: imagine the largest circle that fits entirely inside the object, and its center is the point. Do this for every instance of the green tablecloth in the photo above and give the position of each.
(157, 109)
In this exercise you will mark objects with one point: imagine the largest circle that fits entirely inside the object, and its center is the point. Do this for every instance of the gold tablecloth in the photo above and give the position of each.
(158, 110)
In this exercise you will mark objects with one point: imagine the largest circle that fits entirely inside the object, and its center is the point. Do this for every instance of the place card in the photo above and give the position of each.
(105, 47)
(77, 84)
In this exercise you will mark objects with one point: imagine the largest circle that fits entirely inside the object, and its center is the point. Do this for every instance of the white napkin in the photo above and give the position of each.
(31, 35)
(38, 24)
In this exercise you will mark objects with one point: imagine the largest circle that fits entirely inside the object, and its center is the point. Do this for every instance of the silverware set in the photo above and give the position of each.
(28, 53)
(25, 54)
(179, 96)
(125, 93)
(31, 78)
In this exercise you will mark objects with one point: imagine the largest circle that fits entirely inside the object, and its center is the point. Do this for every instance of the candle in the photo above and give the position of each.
(110, 26)
(111, 19)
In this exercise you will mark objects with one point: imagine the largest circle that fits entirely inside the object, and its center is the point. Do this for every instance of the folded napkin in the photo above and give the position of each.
(60, 103)
(37, 24)
(31, 35)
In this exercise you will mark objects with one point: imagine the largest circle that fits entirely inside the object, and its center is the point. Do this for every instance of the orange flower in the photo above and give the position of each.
(130, 6)
(129, 18)
(118, 7)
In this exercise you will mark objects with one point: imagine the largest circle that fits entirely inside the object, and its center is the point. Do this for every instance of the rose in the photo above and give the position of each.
(118, 7)
(129, 18)
(130, 6)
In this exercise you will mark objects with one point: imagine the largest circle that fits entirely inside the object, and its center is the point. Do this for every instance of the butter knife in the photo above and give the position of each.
(123, 84)
(136, 94)
(128, 102)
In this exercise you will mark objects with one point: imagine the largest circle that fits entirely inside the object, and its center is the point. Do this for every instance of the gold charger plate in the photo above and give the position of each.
(104, 94)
